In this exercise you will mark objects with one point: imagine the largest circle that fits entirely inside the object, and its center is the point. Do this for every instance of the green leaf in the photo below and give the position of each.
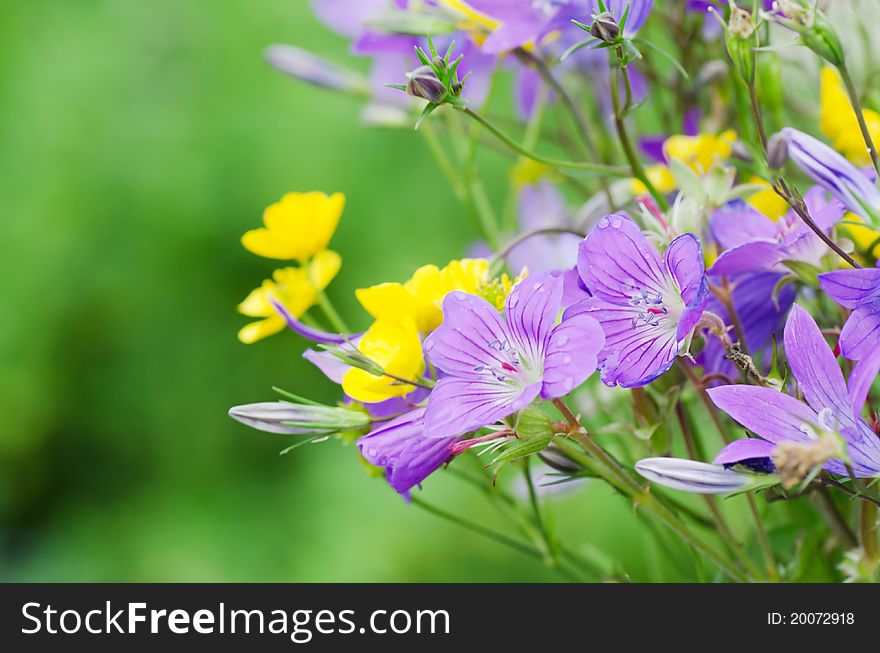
(656, 48)
(427, 111)
(577, 46)
(521, 449)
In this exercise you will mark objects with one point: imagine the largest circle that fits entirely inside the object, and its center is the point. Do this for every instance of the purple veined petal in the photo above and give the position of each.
(572, 355)
(737, 223)
(691, 475)
(531, 310)
(862, 378)
(397, 405)
(402, 449)
(830, 170)
(684, 260)
(860, 333)
(315, 335)
(749, 257)
(825, 211)
(617, 262)
(511, 35)
(851, 288)
(693, 312)
(471, 338)
(457, 406)
(635, 353)
(863, 449)
(772, 415)
(815, 367)
(744, 449)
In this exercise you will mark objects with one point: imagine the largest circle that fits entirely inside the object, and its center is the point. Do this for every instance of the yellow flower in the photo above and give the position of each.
(527, 172)
(839, 122)
(397, 348)
(418, 299)
(472, 19)
(660, 176)
(292, 286)
(496, 291)
(700, 152)
(767, 201)
(864, 237)
(297, 227)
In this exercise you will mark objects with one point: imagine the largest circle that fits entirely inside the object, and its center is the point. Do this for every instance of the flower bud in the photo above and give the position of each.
(691, 476)
(604, 27)
(816, 31)
(556, 458)
(742, 38)
(777, 151)
(299, 419)
(424, 83)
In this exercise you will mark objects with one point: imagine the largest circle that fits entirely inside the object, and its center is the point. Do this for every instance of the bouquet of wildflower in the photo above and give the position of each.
(686, 297)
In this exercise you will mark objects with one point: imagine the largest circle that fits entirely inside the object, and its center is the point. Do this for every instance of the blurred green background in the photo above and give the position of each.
(139, 140)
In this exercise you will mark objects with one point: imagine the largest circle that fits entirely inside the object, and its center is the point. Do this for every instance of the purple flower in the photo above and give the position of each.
(753, 242)
(777, 417)
(496, 365)
(760, 315)
(648, 305)
(834, 173)
(858, 290)
(400, 446)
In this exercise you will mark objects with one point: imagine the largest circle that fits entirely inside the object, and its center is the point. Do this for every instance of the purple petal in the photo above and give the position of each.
(748, 257)
(573, 288)
(684, 260)
(572, 355)
(634, 354)
(347, 17)
(738, 223)
(617, 262)
(531, 310)
(315, 335)
(691, 475)
(402, 449)
(457, 406)
(860, 334)
(744, 449)
(851, 288)
(862, 378)
(774, 416)
(464, 343)
(814, 366)
(543, 205)
(333, 368)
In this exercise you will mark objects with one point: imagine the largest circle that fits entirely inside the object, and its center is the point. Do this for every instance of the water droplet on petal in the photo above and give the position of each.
(568, 384)
(616, 222)
(562, 341)
(566, 360)
(603, 223)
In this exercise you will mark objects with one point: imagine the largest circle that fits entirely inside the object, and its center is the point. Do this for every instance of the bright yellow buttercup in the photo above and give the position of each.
(294, 287)
(297, 228)
(419, 297)
(397, 348)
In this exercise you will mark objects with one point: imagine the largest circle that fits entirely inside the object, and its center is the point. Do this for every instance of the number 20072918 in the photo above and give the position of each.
(810, 618)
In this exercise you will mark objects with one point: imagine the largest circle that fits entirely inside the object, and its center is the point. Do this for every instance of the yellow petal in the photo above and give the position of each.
(297, 227)
(324, 267)
(256, 304)
(839, 122)
(467, 274)
(254, 331)
(398, 350)
(388, 301)
(660, 176)
(767, 201)
(700, 152)
(864, 237)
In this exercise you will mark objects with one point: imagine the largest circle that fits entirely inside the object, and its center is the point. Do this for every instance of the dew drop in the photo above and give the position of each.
(563, 340)
(603, 223)
(568, 384)
(616, 222)
(566, 360)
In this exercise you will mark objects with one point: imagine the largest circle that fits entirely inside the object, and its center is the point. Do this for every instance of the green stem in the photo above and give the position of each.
(443, 161)
(547, 541)
(638, 171)
(326, 305)
(868, 530)
(860, 116)
(642, 497)
(614, 171)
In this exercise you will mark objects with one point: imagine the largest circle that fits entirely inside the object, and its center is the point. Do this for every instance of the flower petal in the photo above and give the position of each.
(858, 338)
(401, 447)
(851, 288)
(814, 366)
(744, 449)
(616, 261)
(684, 260)
(749, 257)
(737, 223)
(457, 405)
(531, 310)
(572, 355)
(463, 343)
(774, 416)
(862, 378)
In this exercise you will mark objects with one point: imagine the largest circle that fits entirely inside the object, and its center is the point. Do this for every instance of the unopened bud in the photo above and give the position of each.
(691, 475)
(740, 151)
(777, 151)
(424, 83)
(308, 67)
(299, 419)
(741, 41)
(604, 27)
